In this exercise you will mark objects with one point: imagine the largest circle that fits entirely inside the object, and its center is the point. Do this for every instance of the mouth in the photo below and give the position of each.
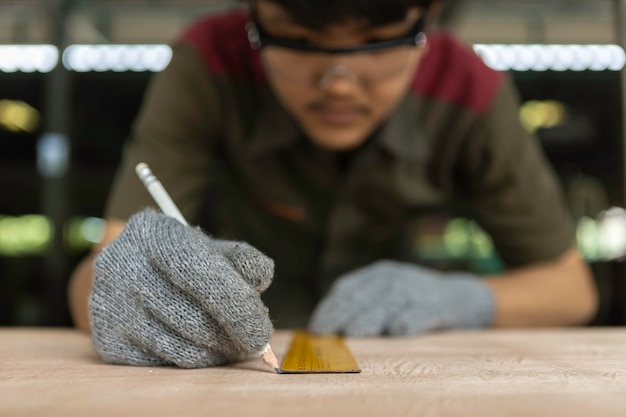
(338, 116)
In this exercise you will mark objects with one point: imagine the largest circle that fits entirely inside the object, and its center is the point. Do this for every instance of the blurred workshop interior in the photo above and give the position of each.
(72, 77)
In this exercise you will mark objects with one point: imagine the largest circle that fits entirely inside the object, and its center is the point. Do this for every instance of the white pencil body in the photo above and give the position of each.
(158, 193)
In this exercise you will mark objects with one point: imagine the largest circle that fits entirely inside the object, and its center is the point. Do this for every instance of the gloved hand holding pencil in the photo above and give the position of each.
(168, 294)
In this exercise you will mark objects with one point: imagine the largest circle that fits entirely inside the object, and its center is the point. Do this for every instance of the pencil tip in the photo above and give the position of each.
(277, 370)
(270, 359)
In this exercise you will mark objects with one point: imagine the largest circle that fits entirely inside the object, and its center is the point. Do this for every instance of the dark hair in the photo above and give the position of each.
(318, 14)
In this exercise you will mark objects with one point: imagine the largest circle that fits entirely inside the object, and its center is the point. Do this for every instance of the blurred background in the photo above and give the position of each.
(73, 73)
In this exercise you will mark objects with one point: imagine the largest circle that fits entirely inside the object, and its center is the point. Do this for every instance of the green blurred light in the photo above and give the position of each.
(93, 229)
(587, 238)
(480, 242)
(462, 239)
(81, 233)
(456, 238)
(24, 235)
(32, 234)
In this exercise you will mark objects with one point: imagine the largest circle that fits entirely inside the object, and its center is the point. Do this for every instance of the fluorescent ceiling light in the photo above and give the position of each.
(28, 58)
(117, 58)
(553, 57)
(154, 58)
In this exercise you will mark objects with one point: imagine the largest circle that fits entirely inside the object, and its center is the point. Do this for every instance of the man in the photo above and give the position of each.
(318, 132)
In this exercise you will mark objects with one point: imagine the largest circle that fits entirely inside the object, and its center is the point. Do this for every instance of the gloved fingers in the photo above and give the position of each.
(167, 238)
(350, 297)
(332, 315)
(254, 266)
(153, 250)
(192, 262)
(209, 338)
(158, 339)
(244, 318)
(229, 300)
(122, 351)
(410, 269)
(371, 322)
(179, 311)
(414, 320)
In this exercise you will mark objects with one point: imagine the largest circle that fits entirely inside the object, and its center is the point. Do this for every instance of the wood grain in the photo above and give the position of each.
(567, 372)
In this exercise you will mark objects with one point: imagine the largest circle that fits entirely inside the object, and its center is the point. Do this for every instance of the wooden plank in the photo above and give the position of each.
(566, 372)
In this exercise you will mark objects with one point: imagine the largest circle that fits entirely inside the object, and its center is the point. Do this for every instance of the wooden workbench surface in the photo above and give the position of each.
(569, 372)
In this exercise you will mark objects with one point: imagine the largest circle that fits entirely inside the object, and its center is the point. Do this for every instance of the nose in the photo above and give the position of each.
(338, 79)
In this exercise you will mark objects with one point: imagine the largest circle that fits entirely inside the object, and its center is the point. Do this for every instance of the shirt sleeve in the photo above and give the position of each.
(174, 134)
(513, 191)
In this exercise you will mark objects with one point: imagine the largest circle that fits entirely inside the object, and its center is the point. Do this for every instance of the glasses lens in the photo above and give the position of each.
(380, 65)
(292, 65)
(309, 67)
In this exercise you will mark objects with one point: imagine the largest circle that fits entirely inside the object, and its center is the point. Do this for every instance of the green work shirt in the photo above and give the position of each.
(237, 164)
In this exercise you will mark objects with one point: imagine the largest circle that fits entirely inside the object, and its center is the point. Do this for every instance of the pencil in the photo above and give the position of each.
(168, 207)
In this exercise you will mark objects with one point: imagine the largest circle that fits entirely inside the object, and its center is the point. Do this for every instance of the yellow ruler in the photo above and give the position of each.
(318, 354)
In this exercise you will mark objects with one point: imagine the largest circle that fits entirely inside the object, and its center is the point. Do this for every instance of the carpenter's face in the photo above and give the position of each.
(338, 99)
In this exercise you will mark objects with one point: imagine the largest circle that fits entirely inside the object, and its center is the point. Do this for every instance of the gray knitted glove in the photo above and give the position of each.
(395, 298)
(167, 294)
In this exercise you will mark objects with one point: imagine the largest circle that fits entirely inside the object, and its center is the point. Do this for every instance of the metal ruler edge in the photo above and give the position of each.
(311, 354)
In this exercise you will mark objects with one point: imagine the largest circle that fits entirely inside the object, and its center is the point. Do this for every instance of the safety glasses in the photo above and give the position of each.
(306, 63)
(259, 38)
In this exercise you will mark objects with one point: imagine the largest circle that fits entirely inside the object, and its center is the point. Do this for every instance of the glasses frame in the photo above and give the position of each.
(259, 38)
